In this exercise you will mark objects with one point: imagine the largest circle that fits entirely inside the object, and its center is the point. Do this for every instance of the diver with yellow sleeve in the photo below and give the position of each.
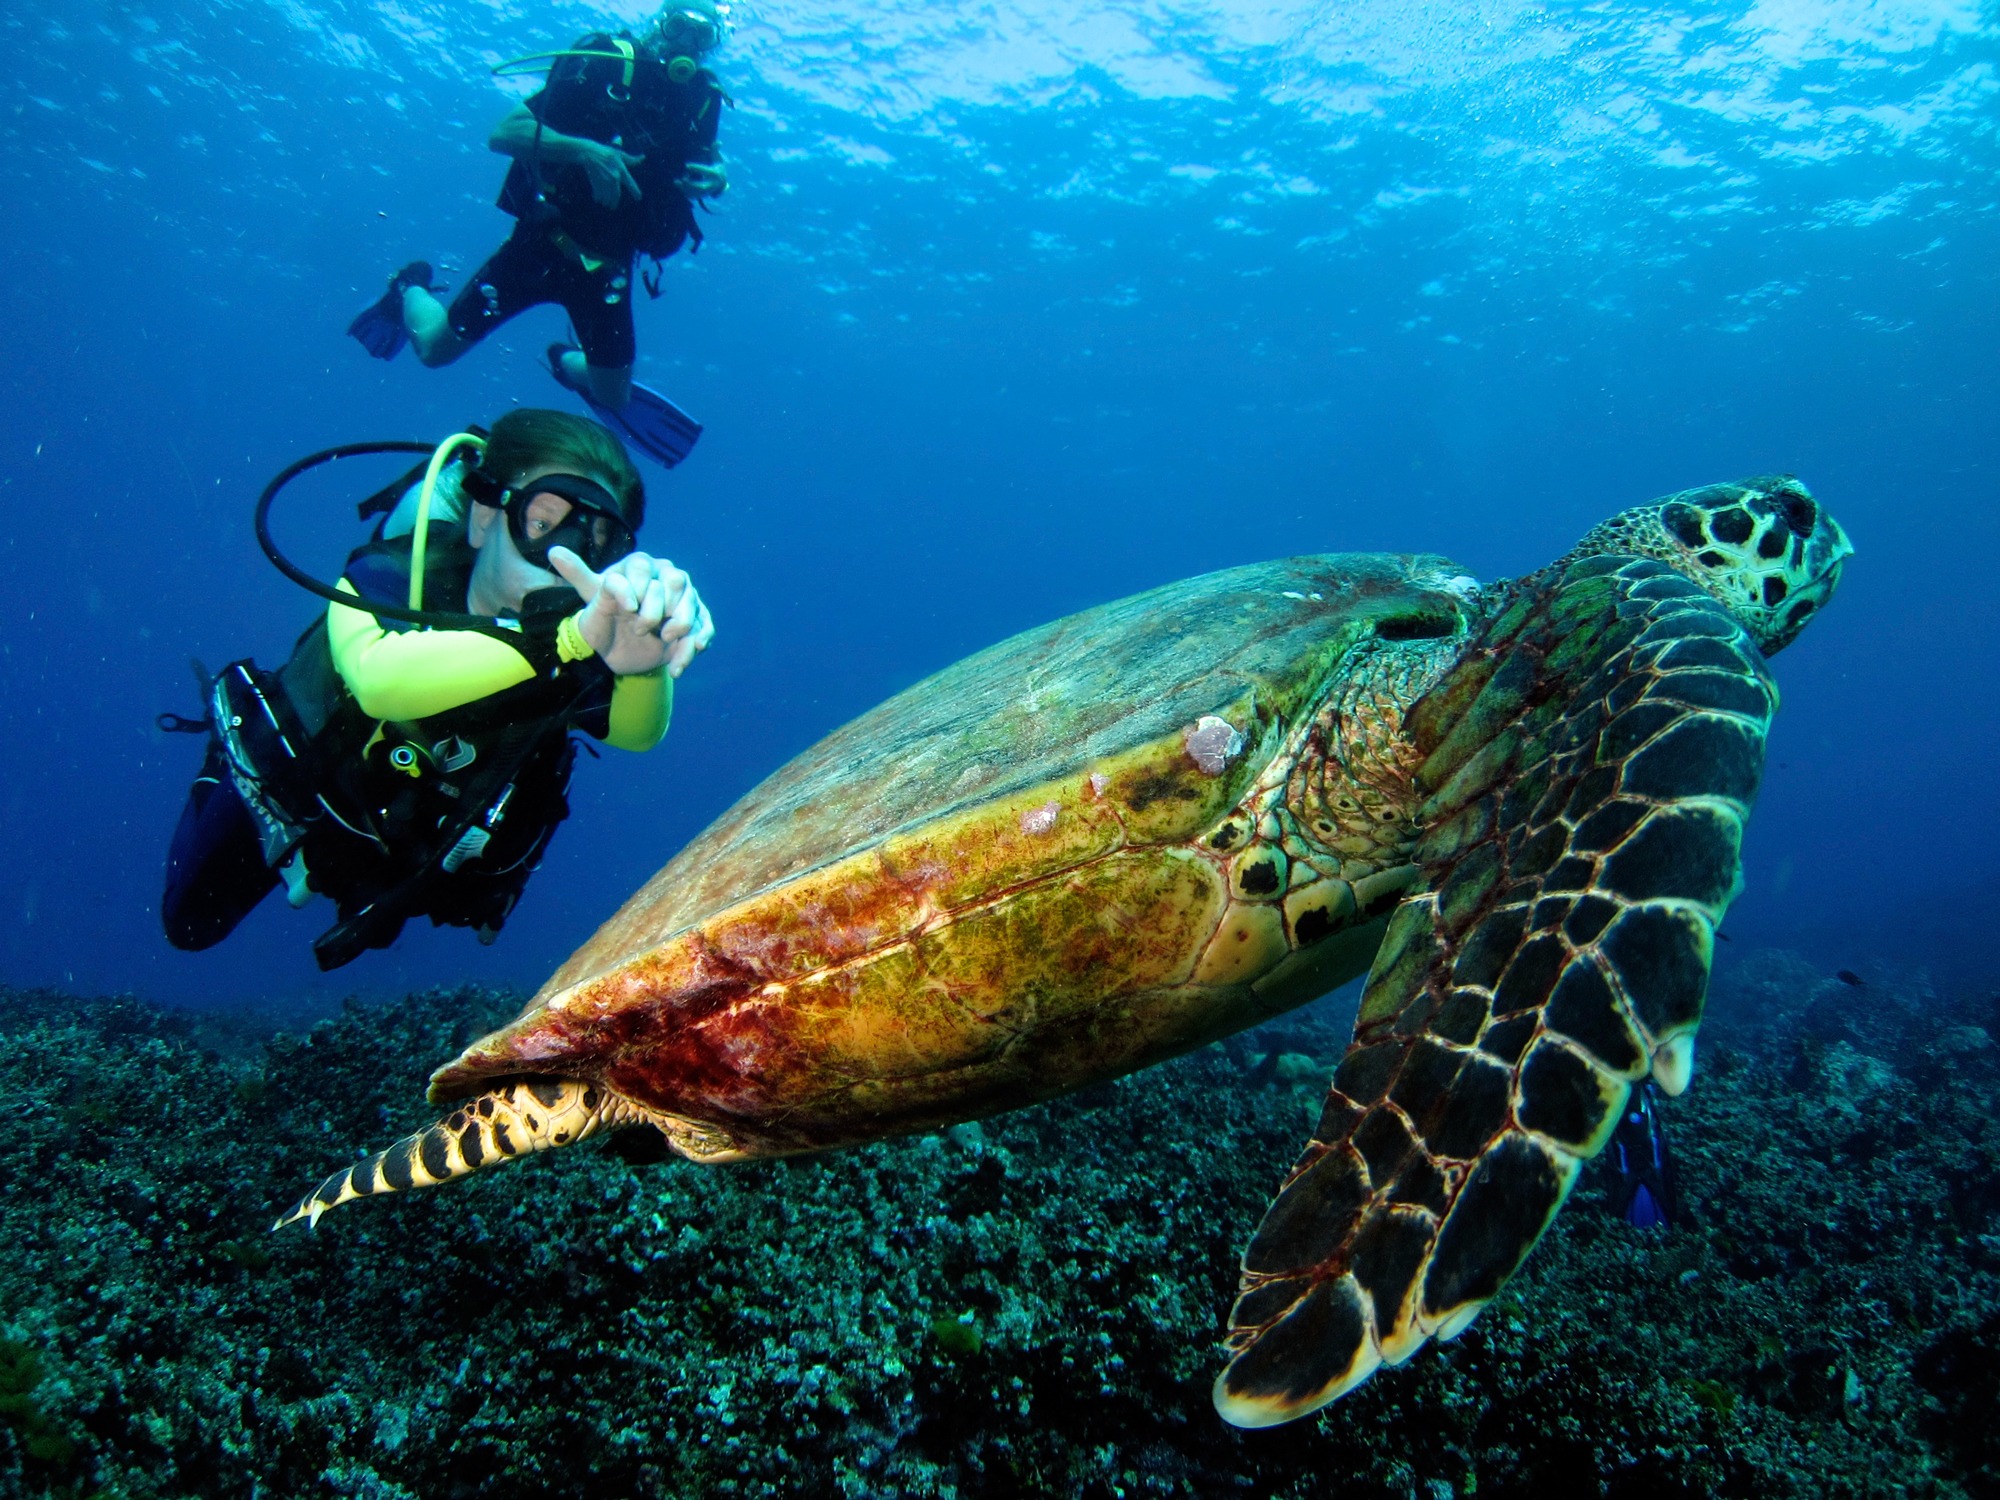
(413, 756)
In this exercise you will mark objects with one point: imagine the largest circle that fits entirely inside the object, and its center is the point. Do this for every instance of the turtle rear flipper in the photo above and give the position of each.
(515, 1119)
(1588, 767)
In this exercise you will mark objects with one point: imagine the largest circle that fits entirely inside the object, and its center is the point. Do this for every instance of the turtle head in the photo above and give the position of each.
(1762, 546)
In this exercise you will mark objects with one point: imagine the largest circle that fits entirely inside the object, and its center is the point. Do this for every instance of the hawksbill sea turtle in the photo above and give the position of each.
(1516, 807)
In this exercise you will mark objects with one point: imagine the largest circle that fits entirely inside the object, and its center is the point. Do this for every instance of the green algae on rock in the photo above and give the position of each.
(763, 1331)
(42, 1440)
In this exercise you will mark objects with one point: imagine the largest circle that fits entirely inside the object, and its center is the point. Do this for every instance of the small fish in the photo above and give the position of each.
(1848, 976)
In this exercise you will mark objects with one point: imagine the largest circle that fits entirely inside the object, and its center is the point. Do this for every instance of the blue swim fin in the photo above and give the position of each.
(650, 422)
(379, 328)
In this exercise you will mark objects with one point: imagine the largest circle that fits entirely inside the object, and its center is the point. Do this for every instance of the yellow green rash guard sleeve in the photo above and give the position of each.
(398, 675)
(641, 705)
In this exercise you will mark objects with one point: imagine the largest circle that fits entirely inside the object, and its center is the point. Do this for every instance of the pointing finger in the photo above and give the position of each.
(573, 571)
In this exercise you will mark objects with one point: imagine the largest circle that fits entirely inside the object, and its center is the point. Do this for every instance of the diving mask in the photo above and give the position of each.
(686, 32)
(567, 510)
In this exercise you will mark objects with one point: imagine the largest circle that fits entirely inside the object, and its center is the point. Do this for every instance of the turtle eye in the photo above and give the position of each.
(1800, 513)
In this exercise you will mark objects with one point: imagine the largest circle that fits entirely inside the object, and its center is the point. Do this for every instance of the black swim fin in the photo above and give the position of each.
(650, 422)
(379, 329)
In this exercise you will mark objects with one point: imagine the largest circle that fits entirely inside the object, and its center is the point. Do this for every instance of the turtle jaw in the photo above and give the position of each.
(1807, 600)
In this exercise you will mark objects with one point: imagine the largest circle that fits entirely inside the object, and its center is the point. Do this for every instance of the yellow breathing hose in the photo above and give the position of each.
(420, 539)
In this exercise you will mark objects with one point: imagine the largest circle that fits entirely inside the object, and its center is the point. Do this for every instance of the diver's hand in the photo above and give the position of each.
(688, 628)
(623, 608)
(704, 179)
(609, 171)
(640, 613)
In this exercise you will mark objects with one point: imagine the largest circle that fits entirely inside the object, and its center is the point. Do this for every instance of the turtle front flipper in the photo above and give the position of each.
(516, 1119)
(1587, 770)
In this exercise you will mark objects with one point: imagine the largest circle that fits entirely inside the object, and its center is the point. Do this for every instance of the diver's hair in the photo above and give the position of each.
(533, 437)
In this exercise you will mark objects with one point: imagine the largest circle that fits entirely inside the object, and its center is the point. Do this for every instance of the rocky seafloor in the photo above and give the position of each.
(1028, 1306)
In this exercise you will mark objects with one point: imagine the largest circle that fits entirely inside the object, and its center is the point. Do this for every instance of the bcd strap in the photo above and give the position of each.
(173, 723)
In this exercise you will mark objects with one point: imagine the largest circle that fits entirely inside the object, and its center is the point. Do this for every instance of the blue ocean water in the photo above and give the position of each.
(1010, 310)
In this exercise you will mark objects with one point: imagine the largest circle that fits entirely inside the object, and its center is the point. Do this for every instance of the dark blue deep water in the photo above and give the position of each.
(1009, 311)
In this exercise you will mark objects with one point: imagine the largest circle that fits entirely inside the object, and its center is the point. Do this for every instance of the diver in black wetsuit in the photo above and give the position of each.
(609, 160)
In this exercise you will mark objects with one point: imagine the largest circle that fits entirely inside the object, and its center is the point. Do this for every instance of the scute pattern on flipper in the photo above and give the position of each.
(523, 1116)
(1587, 772)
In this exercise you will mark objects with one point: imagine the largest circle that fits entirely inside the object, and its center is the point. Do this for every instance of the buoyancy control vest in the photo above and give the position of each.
(638, 106)
(445, 816)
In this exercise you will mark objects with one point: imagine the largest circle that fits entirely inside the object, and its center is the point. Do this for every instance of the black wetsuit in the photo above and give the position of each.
(372, 832)
(568, 248)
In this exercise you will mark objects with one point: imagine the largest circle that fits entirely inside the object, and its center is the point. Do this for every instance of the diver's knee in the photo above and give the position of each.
(192, 931)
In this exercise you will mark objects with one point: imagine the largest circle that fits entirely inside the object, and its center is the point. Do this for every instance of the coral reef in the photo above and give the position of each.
(1027, 1305)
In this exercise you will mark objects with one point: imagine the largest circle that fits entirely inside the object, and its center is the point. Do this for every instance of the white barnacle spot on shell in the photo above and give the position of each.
(1213, 743)
(1098, 782)
(1293, 594)
(1039, 819)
